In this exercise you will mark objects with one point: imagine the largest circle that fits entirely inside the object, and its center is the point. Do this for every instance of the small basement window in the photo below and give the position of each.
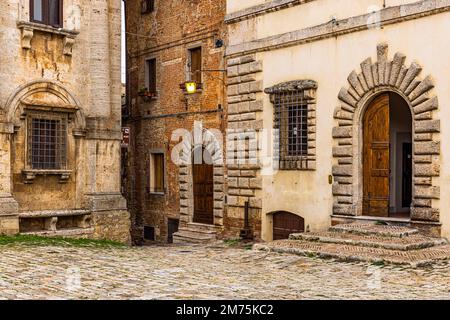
(149, 233)
(147, 6)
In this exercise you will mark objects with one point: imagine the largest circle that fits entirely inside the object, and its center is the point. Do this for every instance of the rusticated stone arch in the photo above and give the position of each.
(212, 142)
(387, 76)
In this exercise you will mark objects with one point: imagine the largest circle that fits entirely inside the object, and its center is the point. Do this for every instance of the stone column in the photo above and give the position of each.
(110, 217)
(9, 219)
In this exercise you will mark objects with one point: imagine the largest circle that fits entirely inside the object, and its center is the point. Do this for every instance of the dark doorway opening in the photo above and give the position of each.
(172, 227)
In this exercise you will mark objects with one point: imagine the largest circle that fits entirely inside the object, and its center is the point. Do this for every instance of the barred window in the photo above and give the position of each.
(47, 142)
(147, 6)
(294, 110)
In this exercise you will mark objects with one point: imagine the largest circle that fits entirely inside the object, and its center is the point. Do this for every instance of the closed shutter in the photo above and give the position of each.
(158, 172)
(196, 64)
(151, 65)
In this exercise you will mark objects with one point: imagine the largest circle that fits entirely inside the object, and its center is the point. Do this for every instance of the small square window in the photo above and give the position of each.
(157, 183)
(149, 233)
(147, 6)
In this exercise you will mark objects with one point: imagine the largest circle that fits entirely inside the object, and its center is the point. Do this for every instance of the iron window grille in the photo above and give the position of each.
(294, 121)
(47, 142)
(147, 6)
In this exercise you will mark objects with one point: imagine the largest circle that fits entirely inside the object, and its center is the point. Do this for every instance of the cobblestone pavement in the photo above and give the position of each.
(196, 272)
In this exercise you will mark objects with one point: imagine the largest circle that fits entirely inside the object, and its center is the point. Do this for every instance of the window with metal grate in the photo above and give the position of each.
(47, 142)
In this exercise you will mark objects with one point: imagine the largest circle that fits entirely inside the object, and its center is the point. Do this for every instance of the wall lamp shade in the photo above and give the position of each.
(191, 87)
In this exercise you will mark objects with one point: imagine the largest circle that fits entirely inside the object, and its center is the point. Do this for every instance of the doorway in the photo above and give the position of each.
(387, 157)
(203, 185)
(285, 224)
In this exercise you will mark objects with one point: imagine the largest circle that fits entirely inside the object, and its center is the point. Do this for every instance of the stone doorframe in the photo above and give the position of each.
(376, 78)
(212, 141)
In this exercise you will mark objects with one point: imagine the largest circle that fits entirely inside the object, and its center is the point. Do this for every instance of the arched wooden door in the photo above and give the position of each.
(203, 184)
(285, 224)
(376, 157)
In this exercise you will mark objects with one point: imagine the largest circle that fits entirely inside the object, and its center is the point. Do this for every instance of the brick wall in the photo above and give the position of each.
(166, 35)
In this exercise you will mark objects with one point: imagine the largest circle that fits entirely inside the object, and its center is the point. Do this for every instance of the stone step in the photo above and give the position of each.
(351, 253)
(192, 236)
(203, 228)
(65, 233)
(373, 229)
(412, 242)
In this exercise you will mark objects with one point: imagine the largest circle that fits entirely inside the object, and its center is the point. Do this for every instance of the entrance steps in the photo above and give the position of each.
(366, 243)
(195, 233)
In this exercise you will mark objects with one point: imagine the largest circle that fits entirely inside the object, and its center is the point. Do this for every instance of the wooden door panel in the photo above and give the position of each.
(203, 178)
(285, 224)
(376, 158)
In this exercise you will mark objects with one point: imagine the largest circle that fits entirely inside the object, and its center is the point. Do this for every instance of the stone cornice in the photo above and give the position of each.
(388, 16)
(261, 9)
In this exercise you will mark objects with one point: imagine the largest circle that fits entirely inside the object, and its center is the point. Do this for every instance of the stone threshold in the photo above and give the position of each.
(372, 219)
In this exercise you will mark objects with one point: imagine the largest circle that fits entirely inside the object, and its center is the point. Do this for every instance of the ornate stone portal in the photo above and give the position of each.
(375, 78)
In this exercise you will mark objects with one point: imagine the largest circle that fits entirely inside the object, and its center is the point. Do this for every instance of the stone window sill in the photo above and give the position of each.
(160, 194)
(30, 175)
(28, 29)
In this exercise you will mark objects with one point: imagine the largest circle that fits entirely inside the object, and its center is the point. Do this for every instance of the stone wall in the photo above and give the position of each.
(72, 71)
(166, 35)
(245, 105)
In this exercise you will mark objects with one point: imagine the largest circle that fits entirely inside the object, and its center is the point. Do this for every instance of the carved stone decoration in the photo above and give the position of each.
(28, 28)
(68, 45)
(375, 78)
(27, 35)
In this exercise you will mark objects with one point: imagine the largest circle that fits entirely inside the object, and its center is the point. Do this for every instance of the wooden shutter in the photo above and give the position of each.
(196, 64)
(158, 173)
(151, 65)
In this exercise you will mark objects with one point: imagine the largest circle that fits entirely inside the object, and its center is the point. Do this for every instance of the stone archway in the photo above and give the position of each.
(375, 78)
(211, 143)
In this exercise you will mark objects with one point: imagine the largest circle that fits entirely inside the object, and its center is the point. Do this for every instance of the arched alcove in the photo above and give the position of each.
(386, 76)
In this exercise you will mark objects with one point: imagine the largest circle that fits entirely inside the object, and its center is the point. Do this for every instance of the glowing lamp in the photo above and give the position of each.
(191, 87)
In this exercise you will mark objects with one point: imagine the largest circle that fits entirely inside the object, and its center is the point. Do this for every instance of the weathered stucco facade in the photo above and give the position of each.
(164, 33)
(353, 51)
(69, 77)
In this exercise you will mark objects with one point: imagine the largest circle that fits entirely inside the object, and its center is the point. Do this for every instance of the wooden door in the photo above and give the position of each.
(376, 158)
(203, 193)
(285, 224)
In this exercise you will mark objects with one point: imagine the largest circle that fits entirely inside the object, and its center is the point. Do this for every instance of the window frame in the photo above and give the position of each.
(148, 73)
(148, 6)
(46, 14)
(152, 175)
(61, 147)
(191, 73)
(302, 95)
